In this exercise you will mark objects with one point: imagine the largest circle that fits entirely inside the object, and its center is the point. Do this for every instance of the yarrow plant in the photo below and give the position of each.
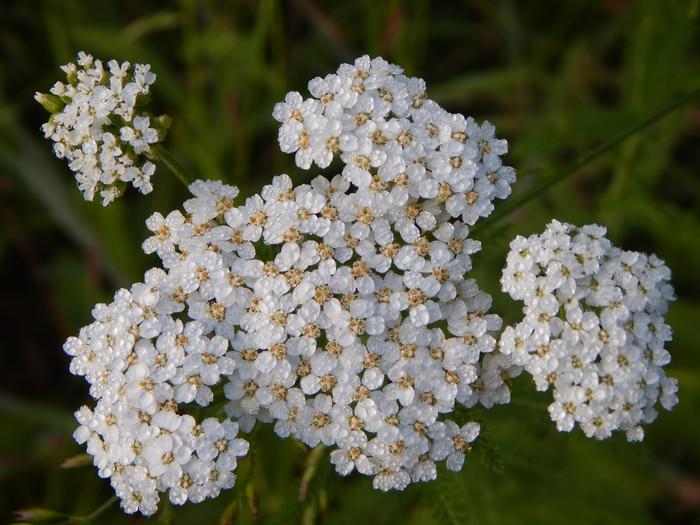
(358, 329)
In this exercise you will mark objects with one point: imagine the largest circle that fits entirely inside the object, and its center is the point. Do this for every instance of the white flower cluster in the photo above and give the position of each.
(332, 342)
(338, 311)
(398, 147)
(95, 125)
(405, 335)
(142, 365)
(593, 329)
(359, 332)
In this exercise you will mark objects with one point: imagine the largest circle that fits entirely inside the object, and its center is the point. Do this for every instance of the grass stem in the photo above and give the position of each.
(550, 180)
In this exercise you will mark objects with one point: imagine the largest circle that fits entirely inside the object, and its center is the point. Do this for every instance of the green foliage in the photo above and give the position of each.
(557, 78)
(448, 498)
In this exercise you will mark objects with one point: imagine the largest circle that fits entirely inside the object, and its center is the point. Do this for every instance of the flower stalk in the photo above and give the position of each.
(160, 153)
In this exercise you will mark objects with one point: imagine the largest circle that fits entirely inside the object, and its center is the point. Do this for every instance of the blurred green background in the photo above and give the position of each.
(557, 79)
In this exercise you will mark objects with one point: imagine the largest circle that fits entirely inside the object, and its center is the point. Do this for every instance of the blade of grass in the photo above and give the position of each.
(144, 26)
(32, 167)
(461, 88)
(90, 518)
(557, 176)
(40, 414)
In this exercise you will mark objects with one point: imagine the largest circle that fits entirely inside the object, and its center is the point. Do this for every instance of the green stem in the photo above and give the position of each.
(550, 180)
(312, 461)
(158, 152)
(100, 510)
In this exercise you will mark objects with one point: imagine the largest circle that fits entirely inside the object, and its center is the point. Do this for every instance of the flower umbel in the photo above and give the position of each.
(97, 126)
(593, 330)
